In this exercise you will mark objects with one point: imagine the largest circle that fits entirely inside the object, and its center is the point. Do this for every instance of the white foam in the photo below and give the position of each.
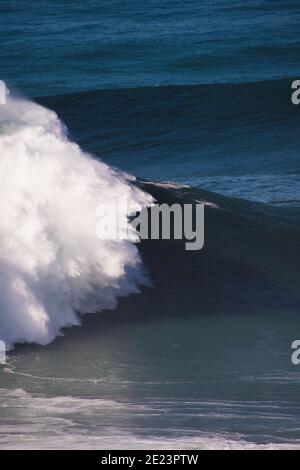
(74, 441)
(52, 265)
(66, 422)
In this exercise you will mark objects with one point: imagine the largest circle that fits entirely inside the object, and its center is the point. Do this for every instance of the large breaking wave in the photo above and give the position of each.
(52, 265)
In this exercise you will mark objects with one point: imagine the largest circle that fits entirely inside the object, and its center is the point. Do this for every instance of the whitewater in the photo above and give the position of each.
(53, 268)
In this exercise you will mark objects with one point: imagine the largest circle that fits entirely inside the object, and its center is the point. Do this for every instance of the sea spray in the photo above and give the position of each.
(52, 265)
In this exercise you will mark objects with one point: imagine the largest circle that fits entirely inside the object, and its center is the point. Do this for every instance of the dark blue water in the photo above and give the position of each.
(237, 135)
(63, 46)
(237, 139)
(196, 92)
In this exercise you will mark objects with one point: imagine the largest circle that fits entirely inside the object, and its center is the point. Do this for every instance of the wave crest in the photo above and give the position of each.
(52, 265)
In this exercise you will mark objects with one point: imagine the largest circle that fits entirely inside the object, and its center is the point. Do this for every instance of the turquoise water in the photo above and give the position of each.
(176, 383)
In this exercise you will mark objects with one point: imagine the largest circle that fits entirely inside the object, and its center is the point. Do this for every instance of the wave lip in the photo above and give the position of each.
(52, 265)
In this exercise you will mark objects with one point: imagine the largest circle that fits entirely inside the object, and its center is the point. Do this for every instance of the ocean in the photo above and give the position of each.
(177, 350)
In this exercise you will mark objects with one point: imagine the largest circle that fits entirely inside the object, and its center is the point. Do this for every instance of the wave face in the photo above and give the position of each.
(235, 139)
(52, 265)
